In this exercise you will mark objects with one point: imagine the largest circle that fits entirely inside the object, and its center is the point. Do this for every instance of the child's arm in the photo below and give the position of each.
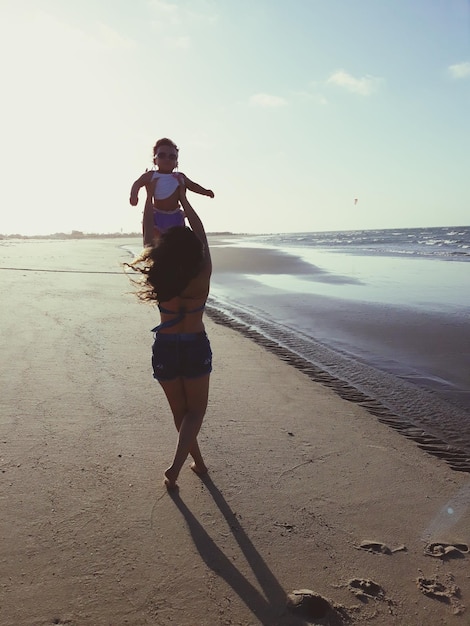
(143, 181)
(192, 186)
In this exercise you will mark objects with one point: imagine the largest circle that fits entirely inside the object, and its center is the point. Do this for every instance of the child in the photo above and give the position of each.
(162, 208)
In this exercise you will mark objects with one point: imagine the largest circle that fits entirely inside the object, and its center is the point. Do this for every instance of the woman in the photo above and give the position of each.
(177, 275)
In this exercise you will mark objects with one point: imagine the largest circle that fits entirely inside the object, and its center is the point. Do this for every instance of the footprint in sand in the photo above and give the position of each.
(313, 606)
(366, 589)
(446, 550)
(377, 547)
(447, 592)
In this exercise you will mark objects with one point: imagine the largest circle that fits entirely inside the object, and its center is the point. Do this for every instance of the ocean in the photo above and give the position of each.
(385, 311)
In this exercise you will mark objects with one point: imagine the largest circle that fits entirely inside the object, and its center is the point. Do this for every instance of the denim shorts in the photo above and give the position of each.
(185, 355)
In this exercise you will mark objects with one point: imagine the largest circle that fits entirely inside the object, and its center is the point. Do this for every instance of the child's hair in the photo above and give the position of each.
(164, 142)
(170, 265)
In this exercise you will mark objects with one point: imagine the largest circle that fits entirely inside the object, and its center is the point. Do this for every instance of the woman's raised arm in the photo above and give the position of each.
(195, 222)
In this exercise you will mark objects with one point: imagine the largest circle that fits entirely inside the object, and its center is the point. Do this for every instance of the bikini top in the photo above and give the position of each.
(166, 184)
(180, 315)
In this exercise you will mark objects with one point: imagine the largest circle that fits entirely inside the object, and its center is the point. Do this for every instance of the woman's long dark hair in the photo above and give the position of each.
(170, 265)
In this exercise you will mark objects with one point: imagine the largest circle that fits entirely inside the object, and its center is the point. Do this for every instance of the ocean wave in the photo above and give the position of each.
(448, 243)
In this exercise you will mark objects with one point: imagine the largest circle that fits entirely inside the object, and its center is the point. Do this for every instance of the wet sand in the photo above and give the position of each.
(309, 488)
(415, 361)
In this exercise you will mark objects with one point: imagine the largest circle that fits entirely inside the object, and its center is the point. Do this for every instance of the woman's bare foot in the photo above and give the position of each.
(170, 480)
(200, 470)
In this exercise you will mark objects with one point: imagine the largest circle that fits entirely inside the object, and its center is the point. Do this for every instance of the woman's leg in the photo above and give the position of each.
(188, 401)
(176, 396)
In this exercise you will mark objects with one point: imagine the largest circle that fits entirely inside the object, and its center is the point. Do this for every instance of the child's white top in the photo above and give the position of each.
(166, 184)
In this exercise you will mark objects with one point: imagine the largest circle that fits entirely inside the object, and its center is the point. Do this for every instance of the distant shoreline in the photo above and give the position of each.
(77, 234)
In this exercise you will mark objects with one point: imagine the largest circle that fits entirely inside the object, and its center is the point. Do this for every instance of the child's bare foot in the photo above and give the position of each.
(170, 480)
(200, 470)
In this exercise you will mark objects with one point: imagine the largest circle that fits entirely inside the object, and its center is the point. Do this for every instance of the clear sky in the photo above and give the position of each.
(288, 110)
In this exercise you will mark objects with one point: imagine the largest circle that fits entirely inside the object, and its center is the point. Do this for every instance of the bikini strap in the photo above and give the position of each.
(180, 315)
(199, 308)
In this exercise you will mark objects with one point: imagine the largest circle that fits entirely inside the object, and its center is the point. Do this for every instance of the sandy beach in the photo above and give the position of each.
(310, 485)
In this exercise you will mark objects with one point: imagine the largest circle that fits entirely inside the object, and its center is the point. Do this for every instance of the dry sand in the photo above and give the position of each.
(299, 477)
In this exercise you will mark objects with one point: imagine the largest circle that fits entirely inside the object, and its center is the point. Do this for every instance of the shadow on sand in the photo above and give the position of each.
(269, 607)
